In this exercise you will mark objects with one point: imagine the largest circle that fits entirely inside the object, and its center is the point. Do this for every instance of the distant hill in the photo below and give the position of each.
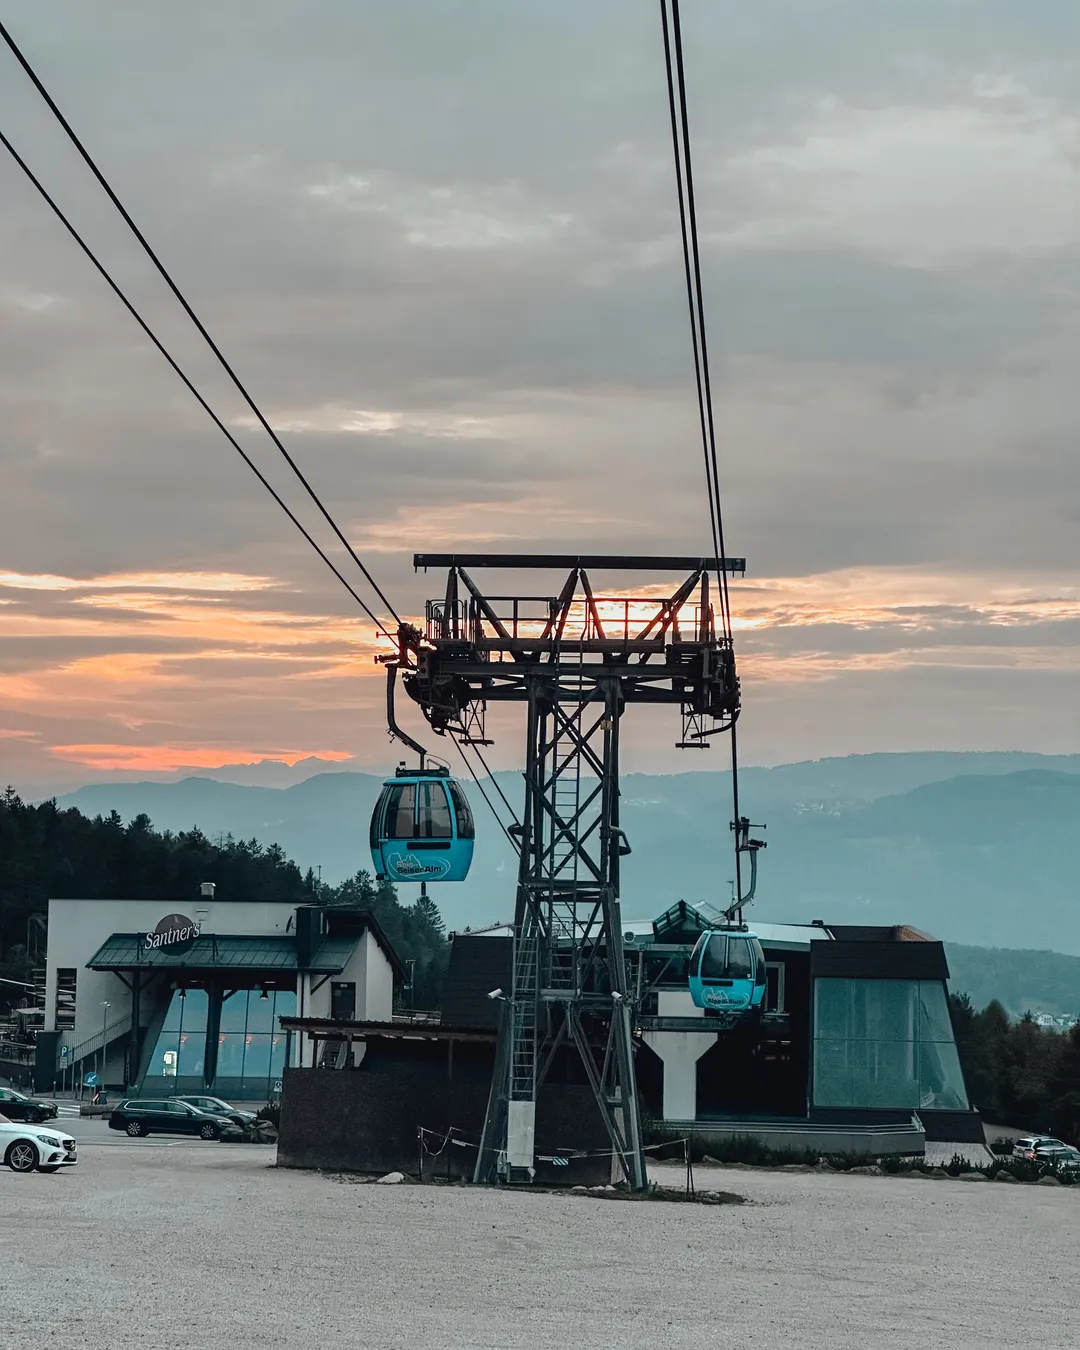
(979, 849)
(1022, 981)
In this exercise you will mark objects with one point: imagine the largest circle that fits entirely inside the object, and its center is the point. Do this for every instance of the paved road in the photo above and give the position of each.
(92, 1134)
(188, 1244)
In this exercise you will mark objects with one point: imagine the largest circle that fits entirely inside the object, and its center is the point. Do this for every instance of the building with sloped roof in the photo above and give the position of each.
(153, 999)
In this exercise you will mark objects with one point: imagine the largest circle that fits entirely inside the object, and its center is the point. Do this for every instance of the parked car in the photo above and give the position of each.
(1061, 1157)
(1025, 1148)
(214, 1106)
(138, 1117)
(18, 1106)
(24, 1148)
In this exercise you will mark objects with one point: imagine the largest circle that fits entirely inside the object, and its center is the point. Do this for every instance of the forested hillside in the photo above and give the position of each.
(46, 851)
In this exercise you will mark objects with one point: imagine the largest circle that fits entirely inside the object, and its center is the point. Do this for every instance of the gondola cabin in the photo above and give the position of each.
(422, 828)
(727, 971)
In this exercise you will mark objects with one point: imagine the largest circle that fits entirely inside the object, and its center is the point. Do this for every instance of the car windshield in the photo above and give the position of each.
(4, 1120)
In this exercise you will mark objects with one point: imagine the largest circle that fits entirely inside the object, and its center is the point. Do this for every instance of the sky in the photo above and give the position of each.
(438, 240)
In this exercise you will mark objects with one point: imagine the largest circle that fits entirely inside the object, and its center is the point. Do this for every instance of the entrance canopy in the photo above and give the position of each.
(128, 951)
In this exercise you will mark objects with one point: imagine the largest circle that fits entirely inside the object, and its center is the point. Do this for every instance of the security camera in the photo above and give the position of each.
(616, 997)
(496, 993)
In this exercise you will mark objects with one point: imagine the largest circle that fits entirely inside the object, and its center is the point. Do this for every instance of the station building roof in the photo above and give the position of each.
(128, 951)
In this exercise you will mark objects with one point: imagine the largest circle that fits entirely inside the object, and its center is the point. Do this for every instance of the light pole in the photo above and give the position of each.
(104, 1032)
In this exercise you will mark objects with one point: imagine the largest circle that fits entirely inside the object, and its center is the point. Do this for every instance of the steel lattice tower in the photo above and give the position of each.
(576, 661)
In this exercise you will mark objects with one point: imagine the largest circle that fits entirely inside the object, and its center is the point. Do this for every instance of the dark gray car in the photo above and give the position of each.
(136, 1117)
(214, 1106)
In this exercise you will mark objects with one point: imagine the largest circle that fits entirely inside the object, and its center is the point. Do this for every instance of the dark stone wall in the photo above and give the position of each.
(477, 966)
(366, 1119)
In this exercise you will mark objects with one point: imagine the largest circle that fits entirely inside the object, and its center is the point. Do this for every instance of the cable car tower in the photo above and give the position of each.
(577, 660)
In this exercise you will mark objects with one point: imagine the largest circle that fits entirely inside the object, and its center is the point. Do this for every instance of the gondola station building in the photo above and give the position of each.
(853, 1053)
(157, 998)
(853, 1050)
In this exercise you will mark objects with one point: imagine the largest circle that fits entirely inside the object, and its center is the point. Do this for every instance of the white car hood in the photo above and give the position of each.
(23, 1127)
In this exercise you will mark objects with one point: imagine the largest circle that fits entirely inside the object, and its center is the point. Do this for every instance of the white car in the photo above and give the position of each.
(24, 1147)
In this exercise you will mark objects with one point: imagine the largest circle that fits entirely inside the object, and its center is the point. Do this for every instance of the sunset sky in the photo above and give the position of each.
(438, 240)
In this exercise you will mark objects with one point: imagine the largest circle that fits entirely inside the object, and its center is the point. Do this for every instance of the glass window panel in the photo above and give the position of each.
(941, 1080)
(434, 821)
(234, 1011)
(172, 1017)
(890, 1008)
(400, 808)
(277, 1055)
(740, 960)
(466, 827)
(934, 1021)
(893, 1041)
(192, 1054)
(260, 1012)
(832, 1010)
(888, 1074)
(195, 1008)
(285, 1003)
(832, 1073)
(230, 1058)
(714, 958)
(257, 1057)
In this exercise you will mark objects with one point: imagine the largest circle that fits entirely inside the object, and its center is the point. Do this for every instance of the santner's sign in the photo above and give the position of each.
(175, 931)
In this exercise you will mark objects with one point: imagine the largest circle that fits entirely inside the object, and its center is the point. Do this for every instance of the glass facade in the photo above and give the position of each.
(250, 1049)
(885, 1043)
(251, 1045)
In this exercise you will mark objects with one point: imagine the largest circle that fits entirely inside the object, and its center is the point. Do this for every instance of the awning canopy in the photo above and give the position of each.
(128, 951)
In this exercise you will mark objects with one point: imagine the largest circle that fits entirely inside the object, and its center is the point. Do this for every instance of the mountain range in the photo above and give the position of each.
(978, 849)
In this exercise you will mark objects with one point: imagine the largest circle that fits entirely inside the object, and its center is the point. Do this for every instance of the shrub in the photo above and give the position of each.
(271, 1112)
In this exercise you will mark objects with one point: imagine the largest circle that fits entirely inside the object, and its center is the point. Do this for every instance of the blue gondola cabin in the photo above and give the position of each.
(727, 971)
(422, 828)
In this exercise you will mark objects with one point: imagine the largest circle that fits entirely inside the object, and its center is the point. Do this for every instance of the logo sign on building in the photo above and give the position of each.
(176, 932)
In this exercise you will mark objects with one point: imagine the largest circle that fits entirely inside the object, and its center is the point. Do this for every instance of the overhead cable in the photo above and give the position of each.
(460, 747)
(118, 292)
(684, 179)
(160, 266)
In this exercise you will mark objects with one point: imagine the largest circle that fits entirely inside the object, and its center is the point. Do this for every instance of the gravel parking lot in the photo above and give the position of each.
(189, 1245)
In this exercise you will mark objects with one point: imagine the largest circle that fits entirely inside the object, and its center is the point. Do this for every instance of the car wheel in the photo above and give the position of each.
(50, 1169)
(21, 1156)
(135, 1128)
(208, 1131)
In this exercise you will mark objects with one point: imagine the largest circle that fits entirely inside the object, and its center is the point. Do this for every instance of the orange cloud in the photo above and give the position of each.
(166, 758)
(191, 581)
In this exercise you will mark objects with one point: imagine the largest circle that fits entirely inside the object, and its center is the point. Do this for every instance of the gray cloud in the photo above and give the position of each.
(438, 240)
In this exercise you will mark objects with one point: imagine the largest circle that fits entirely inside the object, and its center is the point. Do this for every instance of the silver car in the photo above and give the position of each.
(1025, 1148)
(26, 1148)
(1061, 1157)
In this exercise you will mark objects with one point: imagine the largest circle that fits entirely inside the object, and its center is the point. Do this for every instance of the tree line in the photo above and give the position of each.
(48, 853)
(1019, 1073)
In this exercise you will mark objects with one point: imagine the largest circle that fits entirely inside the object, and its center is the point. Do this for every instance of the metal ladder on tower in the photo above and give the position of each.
(563, 858)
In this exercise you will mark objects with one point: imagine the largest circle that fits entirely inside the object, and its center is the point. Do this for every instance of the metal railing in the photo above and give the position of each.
(94, 1043)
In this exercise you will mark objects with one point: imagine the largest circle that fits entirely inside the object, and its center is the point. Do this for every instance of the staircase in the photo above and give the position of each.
(95, 1044)
(335, 1054)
